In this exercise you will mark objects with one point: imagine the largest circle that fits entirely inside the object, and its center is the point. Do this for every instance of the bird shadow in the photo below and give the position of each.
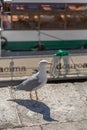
(35, 106)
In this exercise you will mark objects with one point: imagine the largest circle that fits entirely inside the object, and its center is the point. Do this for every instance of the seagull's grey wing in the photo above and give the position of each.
(29, 84)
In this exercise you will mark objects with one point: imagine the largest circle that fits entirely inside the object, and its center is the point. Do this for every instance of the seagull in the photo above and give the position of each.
(35, 81)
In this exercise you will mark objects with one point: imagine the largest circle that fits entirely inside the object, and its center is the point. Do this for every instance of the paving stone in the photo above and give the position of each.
(8, 114)
(27, 128)
(82, 125)
(60, 107)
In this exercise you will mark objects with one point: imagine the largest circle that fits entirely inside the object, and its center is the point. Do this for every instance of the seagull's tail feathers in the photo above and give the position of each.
(15, 88)
(18, 87)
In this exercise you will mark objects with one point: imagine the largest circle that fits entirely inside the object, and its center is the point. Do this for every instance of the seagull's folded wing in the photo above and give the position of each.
(29, 84)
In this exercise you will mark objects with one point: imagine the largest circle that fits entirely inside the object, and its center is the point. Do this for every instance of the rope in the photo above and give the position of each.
(50, 36)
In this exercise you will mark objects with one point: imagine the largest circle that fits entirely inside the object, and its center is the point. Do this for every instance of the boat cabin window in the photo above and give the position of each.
(50, 16)
(6, 6)
(6, 16)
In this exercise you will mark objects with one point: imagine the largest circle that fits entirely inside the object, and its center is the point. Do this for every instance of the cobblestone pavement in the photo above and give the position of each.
(60, 107)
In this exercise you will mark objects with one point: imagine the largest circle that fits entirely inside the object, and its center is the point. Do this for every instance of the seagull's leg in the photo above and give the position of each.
(30, 95)
(36, 95)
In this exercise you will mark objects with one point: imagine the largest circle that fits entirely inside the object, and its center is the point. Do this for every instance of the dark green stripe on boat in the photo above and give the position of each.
(48, 45)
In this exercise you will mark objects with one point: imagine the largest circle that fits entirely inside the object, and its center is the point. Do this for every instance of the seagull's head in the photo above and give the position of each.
(44, 63)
